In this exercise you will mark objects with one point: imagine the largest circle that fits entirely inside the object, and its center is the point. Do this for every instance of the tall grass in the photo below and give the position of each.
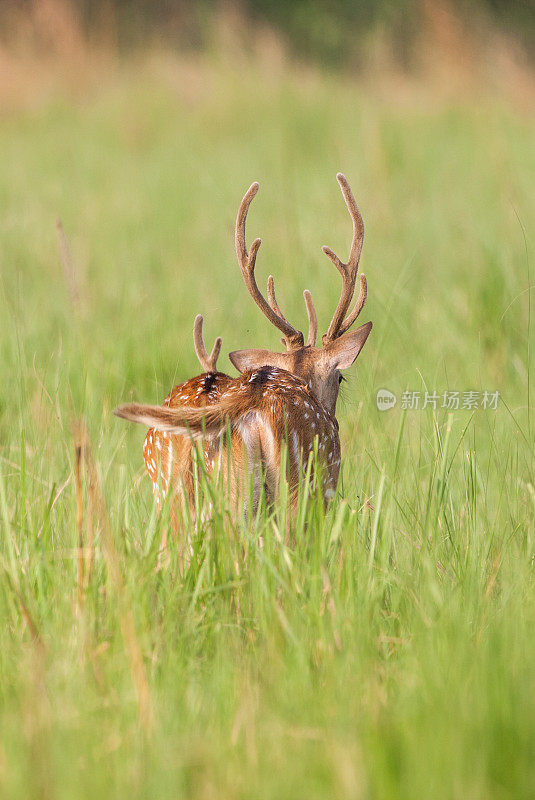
(387, 650)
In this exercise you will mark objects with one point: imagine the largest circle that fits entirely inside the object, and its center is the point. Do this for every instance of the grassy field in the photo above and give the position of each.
(389, 653)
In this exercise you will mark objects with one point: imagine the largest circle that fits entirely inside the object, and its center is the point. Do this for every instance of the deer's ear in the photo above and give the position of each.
(249, 359)
(343, 351)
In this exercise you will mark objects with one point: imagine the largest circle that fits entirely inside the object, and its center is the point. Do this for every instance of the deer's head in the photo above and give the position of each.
(321, 366)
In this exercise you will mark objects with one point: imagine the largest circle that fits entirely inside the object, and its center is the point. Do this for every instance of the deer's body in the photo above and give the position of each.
(265, 408)
(280, 398)
(169, 456)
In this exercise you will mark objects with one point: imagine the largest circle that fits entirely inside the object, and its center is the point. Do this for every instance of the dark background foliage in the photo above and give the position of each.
(331, 31)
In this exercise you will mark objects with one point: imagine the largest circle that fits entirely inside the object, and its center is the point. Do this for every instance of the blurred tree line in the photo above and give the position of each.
(331, 31)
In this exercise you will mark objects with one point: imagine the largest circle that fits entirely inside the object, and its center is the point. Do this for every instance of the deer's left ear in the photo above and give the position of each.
(344, 350)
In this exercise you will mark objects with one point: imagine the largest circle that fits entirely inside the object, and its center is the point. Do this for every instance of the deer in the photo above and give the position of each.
(280, 400)
(169, 456)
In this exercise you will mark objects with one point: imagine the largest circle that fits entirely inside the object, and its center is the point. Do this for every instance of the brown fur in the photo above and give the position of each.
(169, 456)
(264, 408)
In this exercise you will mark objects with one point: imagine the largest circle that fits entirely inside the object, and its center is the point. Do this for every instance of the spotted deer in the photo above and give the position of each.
(279, 399)
(169, 456)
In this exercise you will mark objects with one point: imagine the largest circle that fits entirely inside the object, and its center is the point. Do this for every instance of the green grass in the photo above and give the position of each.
(388, 653)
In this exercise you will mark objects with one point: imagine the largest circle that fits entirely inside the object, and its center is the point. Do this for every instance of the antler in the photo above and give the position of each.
(311, 312)
(293, 338)
(208, 362)
(340, 323)
(312, 319)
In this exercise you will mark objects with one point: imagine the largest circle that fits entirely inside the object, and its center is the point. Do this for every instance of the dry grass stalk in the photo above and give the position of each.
(32, 627)
(26, 615)
(85, 552)
(90, 532)
(126, 618)
(69, 270)
(78, 447)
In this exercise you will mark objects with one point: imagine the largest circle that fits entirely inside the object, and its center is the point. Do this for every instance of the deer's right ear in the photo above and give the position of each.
(249, 359)
(343, 351)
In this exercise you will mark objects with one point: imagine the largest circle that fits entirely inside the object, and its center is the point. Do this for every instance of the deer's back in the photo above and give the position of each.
(282, 410)
(168, 456)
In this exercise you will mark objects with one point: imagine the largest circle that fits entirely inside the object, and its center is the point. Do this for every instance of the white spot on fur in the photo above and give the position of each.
(295, 448)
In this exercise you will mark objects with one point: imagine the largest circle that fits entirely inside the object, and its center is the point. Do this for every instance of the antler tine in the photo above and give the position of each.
(208, 362)
(359, 305)
(312, 319)
(348, 271)
(247, 260)
(272, 299)
(276, 308)
(311, 312)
